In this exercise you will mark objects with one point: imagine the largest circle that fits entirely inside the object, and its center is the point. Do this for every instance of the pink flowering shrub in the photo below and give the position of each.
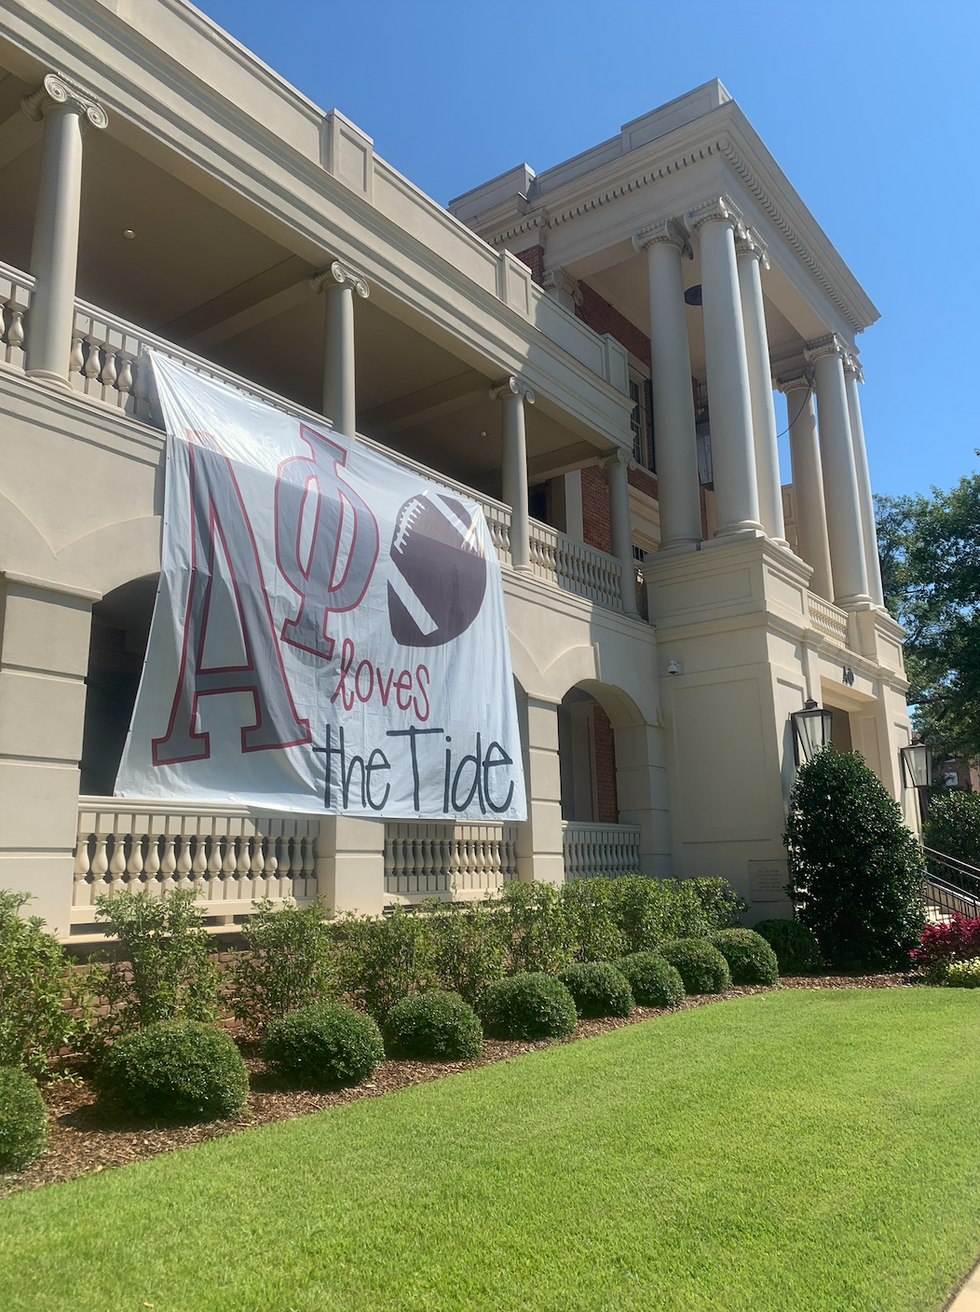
(940, 945)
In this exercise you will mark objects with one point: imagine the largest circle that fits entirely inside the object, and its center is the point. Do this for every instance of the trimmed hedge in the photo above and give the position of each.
(750, 958)
(433, 1026)
(530, 1005)
(23, 1120)
(653, 980)
(699, 963)
(175, 1070)
(598, 989)
(324, 1045)
(795, 947)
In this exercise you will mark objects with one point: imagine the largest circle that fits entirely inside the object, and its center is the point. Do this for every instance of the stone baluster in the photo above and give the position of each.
(100, 863)
(272, 858)
(729, 396)
(339, 283)
(135, 864)
(168, 865)
(513, 394)
(185, 862)
(214, 880)
(229, 863)
(65, 107)
(243, 869)
(81, 894)
(295, 861)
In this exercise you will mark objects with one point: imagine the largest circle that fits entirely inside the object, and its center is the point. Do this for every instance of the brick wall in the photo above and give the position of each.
(533, 257)
(644, 481)
(602, 317)
(605, 767)
(595, 508)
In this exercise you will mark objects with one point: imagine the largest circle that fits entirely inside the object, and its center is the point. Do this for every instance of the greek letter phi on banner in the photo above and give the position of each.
(329, 630)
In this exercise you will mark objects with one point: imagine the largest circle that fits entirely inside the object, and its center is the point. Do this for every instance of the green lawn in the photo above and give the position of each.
(788, 1152)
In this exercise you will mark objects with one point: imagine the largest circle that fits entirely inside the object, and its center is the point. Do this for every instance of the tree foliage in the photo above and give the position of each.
(930, 565)
(855, 869)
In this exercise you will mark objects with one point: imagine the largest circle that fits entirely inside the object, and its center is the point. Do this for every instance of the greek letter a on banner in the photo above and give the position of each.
(310, 491)
(218, 513)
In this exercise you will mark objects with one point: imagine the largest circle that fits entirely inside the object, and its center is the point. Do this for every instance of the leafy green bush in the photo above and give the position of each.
(953, 828)
(41, 1004)
(540, 928)
(324, 1045)
(433, 1026)
(648, 912)
(23, 1119)
(963, 974)
(598, 989)
(284, 963)
(164, 969)
(795, 947)
(468, 944)
(750, 958)
(173, 1070)
(652, 979)
(592, 907)
(855, 869)
(383, 958)
(530, 1005)
(699, 964)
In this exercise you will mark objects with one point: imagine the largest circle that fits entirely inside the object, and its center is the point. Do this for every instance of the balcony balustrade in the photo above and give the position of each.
(599, 849)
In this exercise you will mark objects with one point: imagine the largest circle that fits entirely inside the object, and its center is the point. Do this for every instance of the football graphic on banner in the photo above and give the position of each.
(441, 571)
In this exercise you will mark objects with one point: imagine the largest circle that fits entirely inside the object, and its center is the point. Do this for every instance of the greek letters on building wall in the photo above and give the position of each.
(329, 631)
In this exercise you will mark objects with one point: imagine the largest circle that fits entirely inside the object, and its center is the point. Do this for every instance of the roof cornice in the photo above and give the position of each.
(723, 134)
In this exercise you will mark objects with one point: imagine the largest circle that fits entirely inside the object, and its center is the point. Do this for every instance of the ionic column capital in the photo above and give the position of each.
(511, 386)
(748, 242)
(338, 275)
(830, 344)
(58, 89)
(560, 280)
(852, 367)
(794, 382)
(719, 209)
(669, 232)
(618, 457)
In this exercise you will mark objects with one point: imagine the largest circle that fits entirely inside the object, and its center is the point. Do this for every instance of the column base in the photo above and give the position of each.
(49, 378)
(860, 601)
(679, 546)
(748, 528)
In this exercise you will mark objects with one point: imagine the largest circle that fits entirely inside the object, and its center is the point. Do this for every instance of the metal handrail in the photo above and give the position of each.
(948, 898)
(953, 862)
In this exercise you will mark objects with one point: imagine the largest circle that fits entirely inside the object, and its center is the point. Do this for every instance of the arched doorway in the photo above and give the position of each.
(587, 756)
(120, 627)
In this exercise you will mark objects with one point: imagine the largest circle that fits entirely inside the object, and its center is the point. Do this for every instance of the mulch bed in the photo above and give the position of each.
(82, 1141)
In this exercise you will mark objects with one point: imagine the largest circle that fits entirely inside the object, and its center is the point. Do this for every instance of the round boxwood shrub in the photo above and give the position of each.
(323, 1045)
(179, 1070)
(598, 989)
(963, 974)
(653, 980)
(699, 963)
(530, 1005)
(794, 945)
(434, 1026)
(23, 1120)
(750, 958)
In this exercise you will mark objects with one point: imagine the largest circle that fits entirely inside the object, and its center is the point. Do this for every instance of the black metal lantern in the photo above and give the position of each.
(917, 765)
(811, 731)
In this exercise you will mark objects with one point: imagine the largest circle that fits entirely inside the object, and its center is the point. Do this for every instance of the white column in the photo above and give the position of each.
(621, 525)
(729, 398)
(339, 284)
(853, 376)
(673, 400)
(65, 108)
(843, 502)
(811, 511)
(512, 394)
(752, 256)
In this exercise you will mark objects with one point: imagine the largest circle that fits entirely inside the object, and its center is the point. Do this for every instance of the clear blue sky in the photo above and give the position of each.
(869, 106)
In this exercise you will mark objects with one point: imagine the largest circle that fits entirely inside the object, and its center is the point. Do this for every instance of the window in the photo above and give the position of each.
(640, 419)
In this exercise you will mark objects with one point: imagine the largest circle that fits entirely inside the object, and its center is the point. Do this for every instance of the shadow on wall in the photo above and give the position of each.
(120, 627)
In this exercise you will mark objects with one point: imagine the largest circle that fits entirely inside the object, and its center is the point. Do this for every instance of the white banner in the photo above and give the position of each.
(329, 631)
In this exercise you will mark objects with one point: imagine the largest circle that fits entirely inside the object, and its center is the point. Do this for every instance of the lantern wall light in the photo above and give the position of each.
(811, 731)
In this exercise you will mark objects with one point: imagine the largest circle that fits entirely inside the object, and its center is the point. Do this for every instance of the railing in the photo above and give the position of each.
(231, 857)
(576, 567)
(597, 849)
(945, 899)
(434, 858)
(109, 364)
(829, 620)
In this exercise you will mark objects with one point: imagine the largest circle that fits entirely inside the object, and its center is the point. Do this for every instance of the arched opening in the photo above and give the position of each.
(120, 627)
(587, 756)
